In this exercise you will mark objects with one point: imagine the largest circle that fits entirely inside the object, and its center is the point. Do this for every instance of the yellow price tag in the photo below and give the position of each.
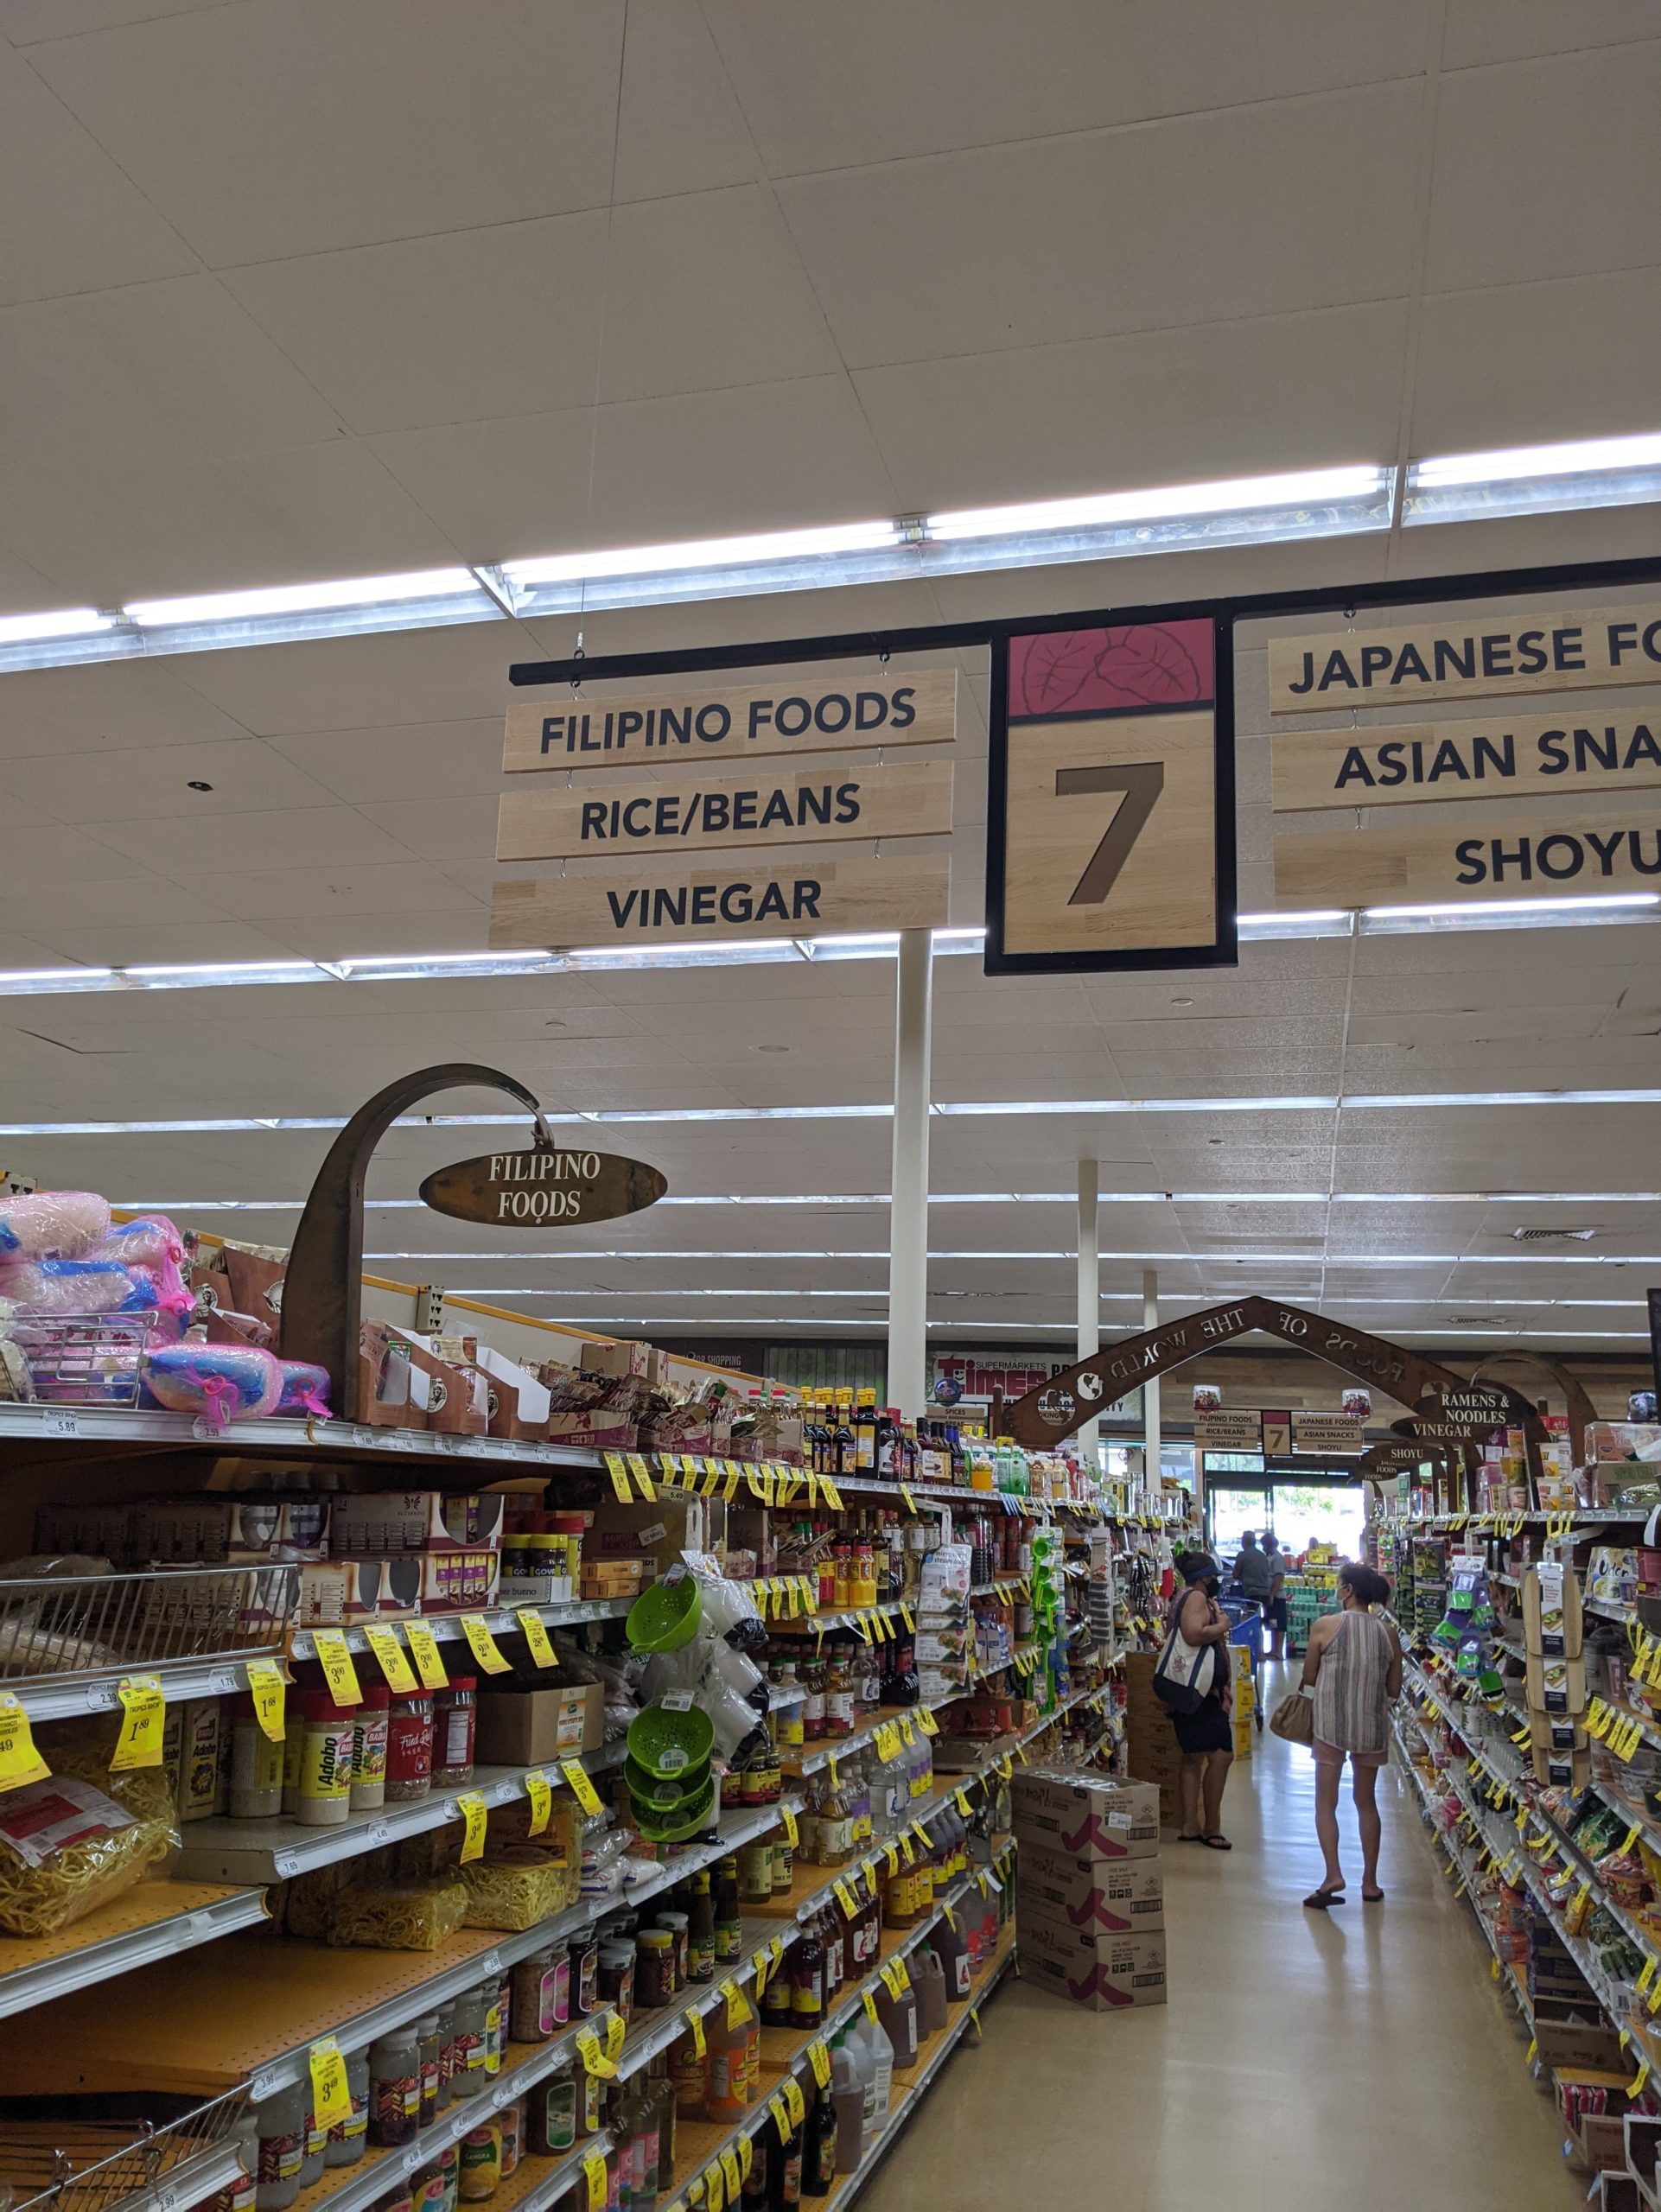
(537, 1640)
(617, 2030)
(832, 1495)
(961, 1798)
(483, 1644)
(19, 1760)
(714, 2191)
(911, 1503)
(471, 1806)
(594, 2172)
(423, 1647)
(694, 2028)
(738, 2008)
(594, 2060)
(669, 1466)
(1634, 2088)
(906, 1615)
(1531, 2053)
(331, 2093)
(926, 1721)
(844, 1897)
(818, 2057)
(617, 1468)
(269, 1693)
(540, 1791)
(389, 1656)
(582, 1789)
(869, 2003)
(734, 1475)
(1648, 1974)
(334, 1659)
(787, 1814)
(642, 1474)
(745, 2156)
(730, 2175)
(795, 2102)
(780, 2113)
(144, 1715)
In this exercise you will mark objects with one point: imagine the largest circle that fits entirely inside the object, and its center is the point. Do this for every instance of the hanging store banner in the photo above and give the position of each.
(1514, 856)
(681, 906)
(1463, 655)
(1327, 1432)
(532, 1190)
(1478, 759)
(682, 729)
(1111, 800)
(801, 806)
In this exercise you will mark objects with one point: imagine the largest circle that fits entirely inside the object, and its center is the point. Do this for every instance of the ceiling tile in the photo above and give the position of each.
(172, 370)
(1479, 31)
(297, 837)
(439, 828)
(426, 116)
(104, 708)
(73, 222)
(707, 464)
(1051, 422)
(112, 529)
(433, 760)
(152, 783)
(865, 82)
(322, 894)
(402, 675)
(1500, 213)
(679, 127)
(1188, 221)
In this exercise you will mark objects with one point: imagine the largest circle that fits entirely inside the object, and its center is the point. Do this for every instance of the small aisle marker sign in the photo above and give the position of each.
(1111, 800)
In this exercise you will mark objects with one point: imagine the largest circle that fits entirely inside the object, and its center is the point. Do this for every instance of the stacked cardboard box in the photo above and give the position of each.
(1150, 1741)
(1090, 1899)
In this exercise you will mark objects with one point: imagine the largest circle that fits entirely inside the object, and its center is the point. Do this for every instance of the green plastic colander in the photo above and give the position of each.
(666, 1616)
(670, 1745)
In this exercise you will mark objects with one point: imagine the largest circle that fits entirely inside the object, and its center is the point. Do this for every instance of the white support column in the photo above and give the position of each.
(1089, 1295)
(1151, 1388)
(908, 1207)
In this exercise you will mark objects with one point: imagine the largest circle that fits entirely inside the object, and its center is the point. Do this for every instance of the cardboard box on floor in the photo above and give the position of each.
(1122, 1899)
(1105, 1973)
(1086, 1815)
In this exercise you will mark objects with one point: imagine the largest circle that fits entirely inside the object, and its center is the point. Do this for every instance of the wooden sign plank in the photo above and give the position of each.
(1539, 855)
(1482, 757)
(816, 898)
(1160, 802)
(791, 806)
(1464, 656)
(533, 1189)
(686, 728)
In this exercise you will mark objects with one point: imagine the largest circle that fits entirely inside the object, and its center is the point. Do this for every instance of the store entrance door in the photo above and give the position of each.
(1302, 1510)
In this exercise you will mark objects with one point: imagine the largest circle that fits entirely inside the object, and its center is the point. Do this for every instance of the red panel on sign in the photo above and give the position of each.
(1054, 673)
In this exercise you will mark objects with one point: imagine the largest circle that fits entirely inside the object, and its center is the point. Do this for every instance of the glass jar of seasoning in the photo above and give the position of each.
(344, 2145)
(369, 1730)
(616, 1976)
(512, 2136)
(282, 2123)
(325, 1798)
(467, 2074)
(679, 1926)
(394, 2088)
(552, 2115)
(410, 1746)
(454, 1710)
(482, 2163)
(432, 2068)
(654, 1968)
(256, 1766)
(585, 1966)
(541, 1995)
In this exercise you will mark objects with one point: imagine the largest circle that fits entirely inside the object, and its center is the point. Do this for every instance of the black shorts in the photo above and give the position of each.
(1208, 1730)
(1275, 1614)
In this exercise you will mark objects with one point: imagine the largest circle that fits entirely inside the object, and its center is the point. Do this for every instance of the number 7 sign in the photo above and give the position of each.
(1111, 805)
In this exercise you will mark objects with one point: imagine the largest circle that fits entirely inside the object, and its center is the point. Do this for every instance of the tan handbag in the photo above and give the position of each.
(1294, 1718)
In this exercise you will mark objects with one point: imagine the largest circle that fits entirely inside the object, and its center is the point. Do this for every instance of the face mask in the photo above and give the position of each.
(1211, 1588)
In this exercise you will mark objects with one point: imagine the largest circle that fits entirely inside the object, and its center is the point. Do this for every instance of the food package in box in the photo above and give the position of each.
(1613, 1440)
(384, 1387)
(450, 1400)
(1088, 1815)
(612, 1577)
(334, 1592)
(241, 1529)
(1119, 1898)
(517, 1404)
(1110, 1974)
(378, 1522)
(604, 1430)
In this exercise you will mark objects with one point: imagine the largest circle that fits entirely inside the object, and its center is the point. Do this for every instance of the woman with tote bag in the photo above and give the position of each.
(1197, 1697)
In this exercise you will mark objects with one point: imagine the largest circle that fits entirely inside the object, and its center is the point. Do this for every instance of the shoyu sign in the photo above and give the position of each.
(1111, 800)
(1515, 857)
(811, 897)
(792, 807)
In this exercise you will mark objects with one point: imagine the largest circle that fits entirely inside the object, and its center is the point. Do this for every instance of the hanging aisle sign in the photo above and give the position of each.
(1507, 857)
(530, 1190)
(1110, 803)
(680, 905)
(1477, 758)
(684, 728)
(791, 806)
(1462, 655)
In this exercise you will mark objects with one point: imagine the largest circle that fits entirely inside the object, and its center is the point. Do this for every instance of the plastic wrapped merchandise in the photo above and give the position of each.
(78, 1839)
(52, 1225)
(512, 1887)
(396, 1916)
(221, 1383)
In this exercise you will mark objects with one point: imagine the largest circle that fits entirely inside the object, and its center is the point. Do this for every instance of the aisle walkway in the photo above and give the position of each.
(1304, 2060)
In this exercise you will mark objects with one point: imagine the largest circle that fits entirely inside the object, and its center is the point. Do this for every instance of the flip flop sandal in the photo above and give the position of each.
(1215, 1843)
(1191, 1838)
(1318, 1900)
(1374, 1897)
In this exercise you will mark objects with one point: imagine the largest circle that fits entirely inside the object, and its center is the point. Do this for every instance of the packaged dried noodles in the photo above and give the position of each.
(79, 1839)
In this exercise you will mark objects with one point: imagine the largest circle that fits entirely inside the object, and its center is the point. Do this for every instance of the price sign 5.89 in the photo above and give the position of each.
(1110, 814)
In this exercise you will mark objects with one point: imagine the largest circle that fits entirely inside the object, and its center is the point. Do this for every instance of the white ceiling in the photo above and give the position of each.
(296, 289)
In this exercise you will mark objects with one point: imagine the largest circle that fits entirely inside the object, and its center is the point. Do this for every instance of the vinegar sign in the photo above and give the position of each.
(545, 1185)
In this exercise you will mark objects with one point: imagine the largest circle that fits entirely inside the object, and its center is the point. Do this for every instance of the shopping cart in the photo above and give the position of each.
(1247, 1633)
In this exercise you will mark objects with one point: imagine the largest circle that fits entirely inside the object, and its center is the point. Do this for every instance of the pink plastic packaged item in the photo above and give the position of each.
(52, 1225)
(305, 1388)
(218, 1382)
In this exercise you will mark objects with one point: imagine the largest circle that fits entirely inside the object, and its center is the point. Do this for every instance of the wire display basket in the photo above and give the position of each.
(97, 2163)
(83, 1359)
(115, 1624)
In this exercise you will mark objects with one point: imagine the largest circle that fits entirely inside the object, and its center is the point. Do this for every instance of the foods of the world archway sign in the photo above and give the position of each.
(1111, 800)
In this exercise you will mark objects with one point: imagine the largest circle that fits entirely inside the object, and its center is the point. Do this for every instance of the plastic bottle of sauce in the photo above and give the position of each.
(849, 2082)
(729, 1915)
(899, 2019)
(701, 1931)
(949, 1946)
(931, 1985)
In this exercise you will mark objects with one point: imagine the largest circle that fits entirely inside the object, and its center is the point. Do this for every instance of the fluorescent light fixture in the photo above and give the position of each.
(1241, 494)
(1512, 906)
(703, 553)
(66, 622)
(1534, 479)
(298, 599)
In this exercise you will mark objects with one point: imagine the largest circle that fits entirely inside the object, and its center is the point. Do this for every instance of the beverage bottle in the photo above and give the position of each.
(949, 1946)
(701, 1931)
(899, 2019)
(807, 1979)
(729, 1915)
(777, 2010)
(724, 2094)
(786, 2164)
(756, 2193)
(819, 2152)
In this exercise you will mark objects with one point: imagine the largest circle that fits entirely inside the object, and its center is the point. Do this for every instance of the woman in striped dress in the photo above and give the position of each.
(1354, 1663)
